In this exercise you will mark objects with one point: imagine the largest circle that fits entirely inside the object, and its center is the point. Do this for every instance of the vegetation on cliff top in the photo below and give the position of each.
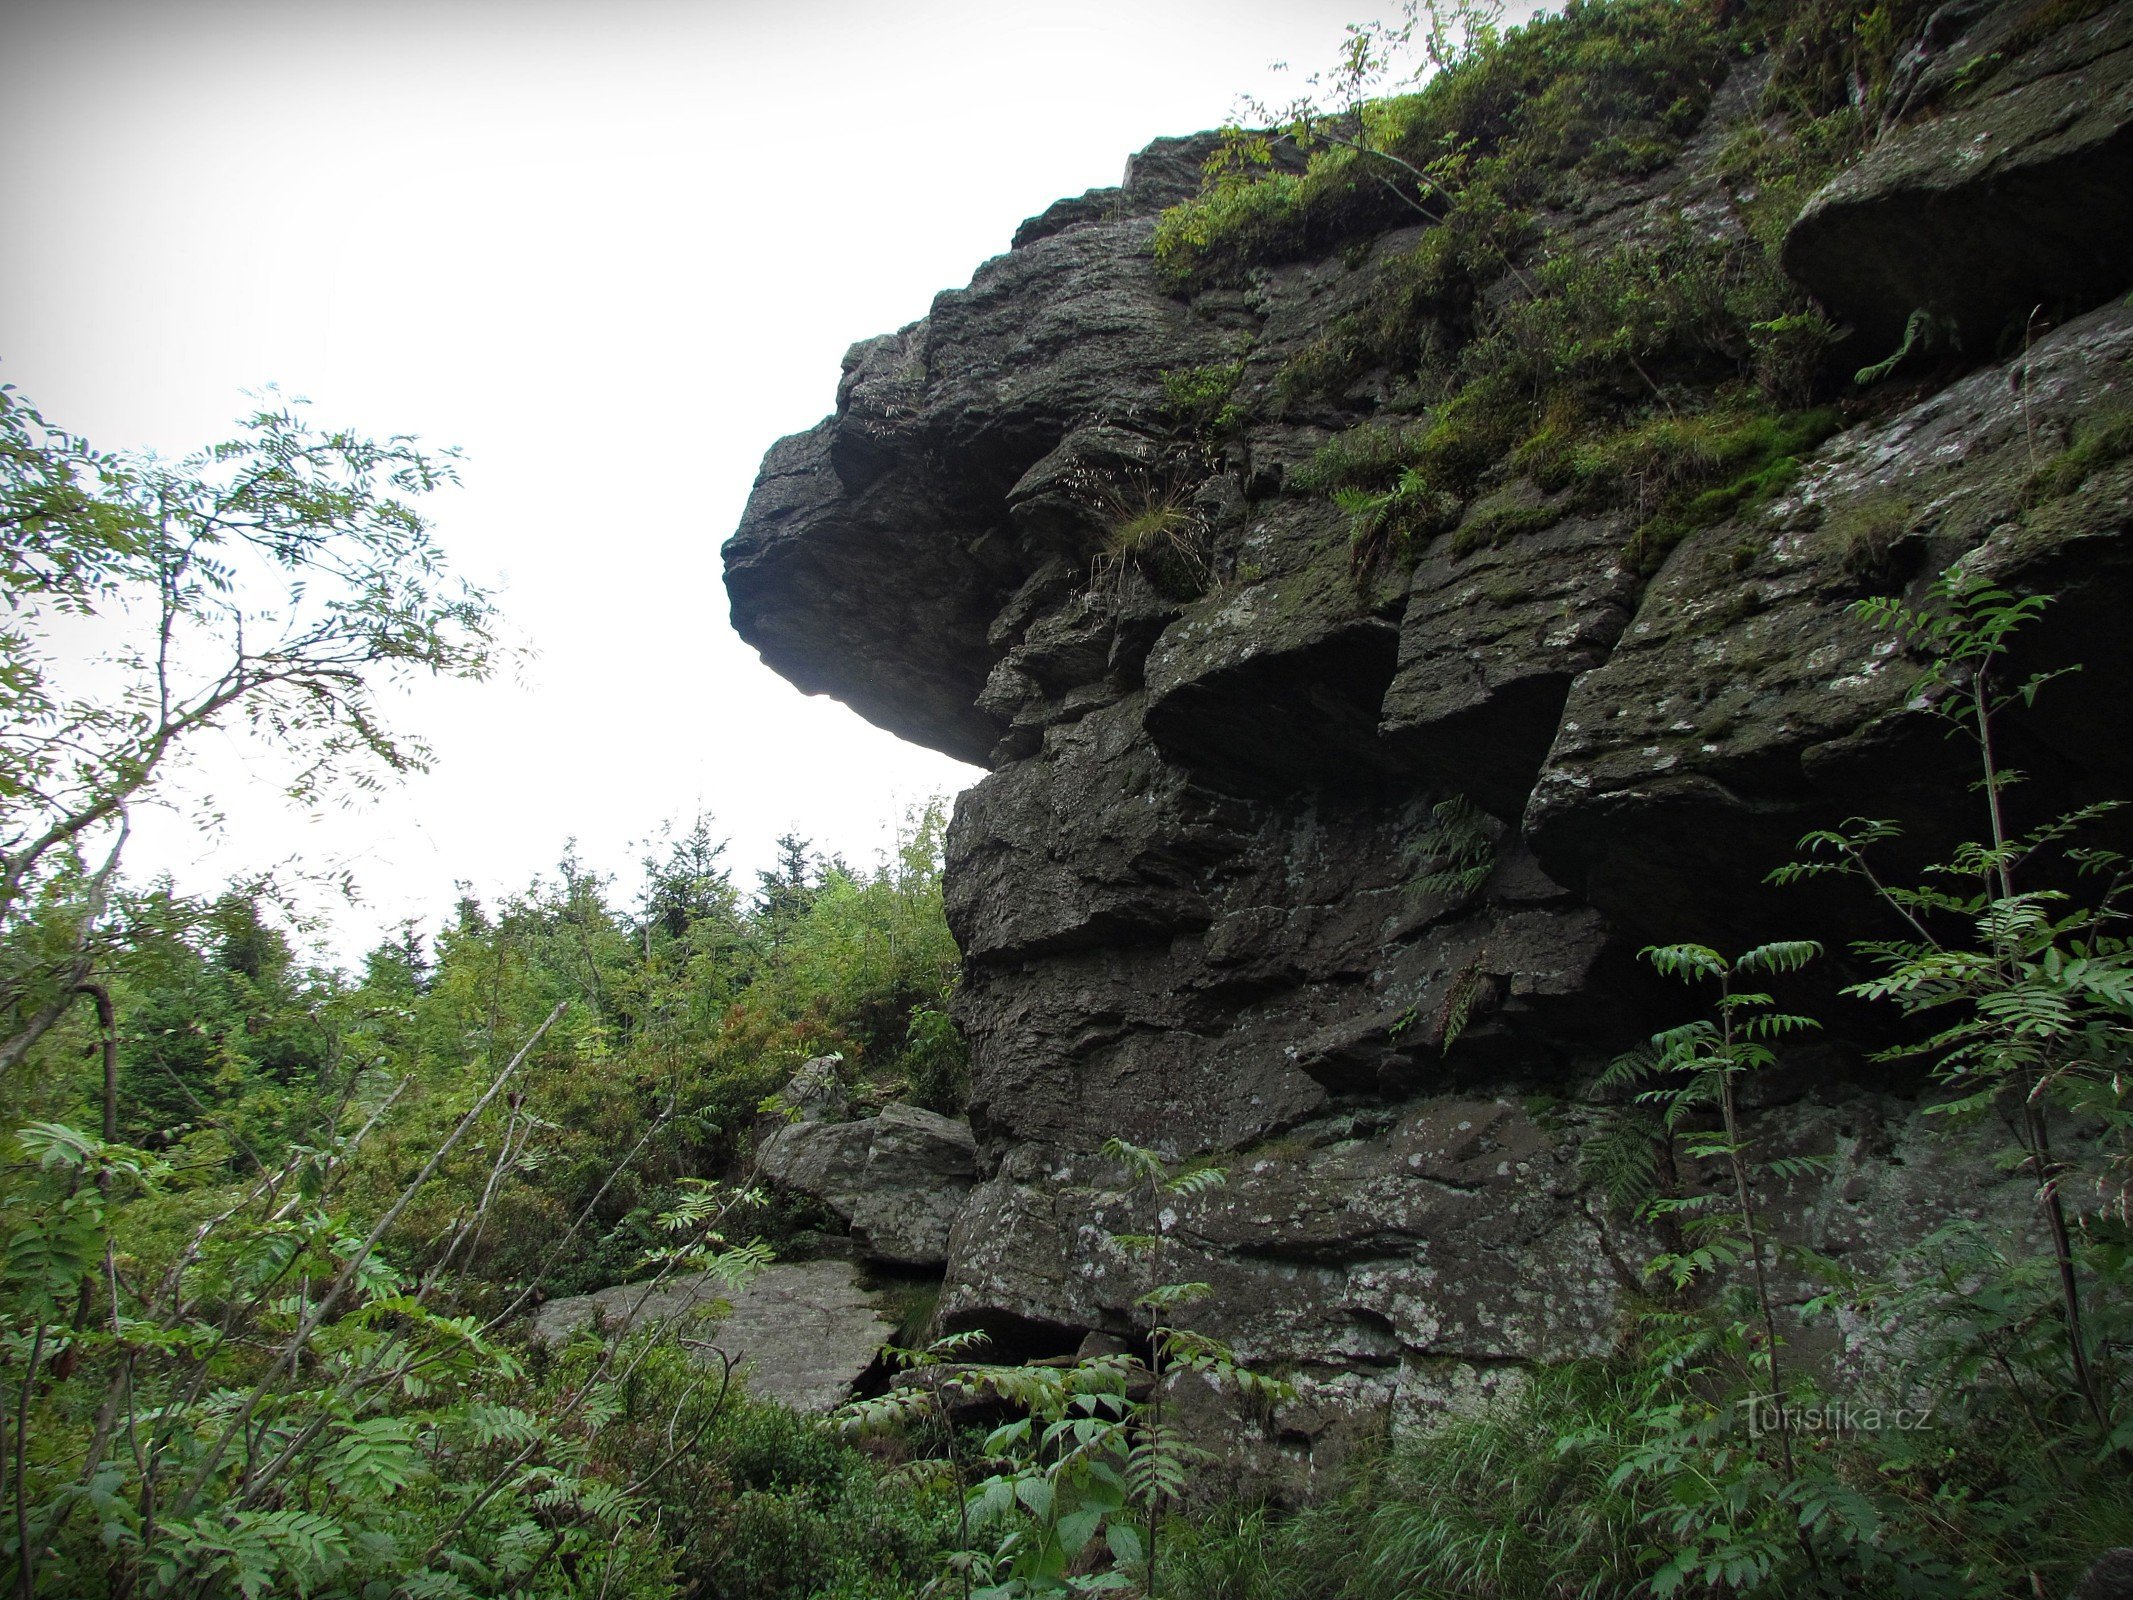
(1664, 372)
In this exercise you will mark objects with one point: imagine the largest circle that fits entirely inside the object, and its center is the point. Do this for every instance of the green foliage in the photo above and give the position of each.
(1506, 121)
(1538, 403)
(1776, 167)
(1637, 1476)
(1149, 525)
(1867, 530)
(1456, 851)
(1567, 383)
(1679, 303)
(1386, 524)
(1579, 367)
(1923, 331)
(66, 527)
(1830, 55)
(1077, 1483)
(2027, 988)
(1687, 473)
(275, 1407)
(302, 1301)
(1202, 399)
(1694, 1070)
(275, 580)
(771, 1503)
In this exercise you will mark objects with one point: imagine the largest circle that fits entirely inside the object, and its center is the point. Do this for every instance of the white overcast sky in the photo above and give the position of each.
(612, 250)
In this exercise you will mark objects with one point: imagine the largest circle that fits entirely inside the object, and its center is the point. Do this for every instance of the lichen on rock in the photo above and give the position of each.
(1543, 522)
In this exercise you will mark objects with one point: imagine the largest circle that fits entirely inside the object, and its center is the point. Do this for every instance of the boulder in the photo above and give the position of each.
(801, 1333)
(2110, 1578)
(898, 1179)
(815, 1093)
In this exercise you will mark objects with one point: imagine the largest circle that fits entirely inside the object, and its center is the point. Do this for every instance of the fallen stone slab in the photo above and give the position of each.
(802, 1332)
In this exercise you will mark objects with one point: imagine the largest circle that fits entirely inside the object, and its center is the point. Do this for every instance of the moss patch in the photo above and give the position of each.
(1687, 473)
(2100, 441)
(1866, 531)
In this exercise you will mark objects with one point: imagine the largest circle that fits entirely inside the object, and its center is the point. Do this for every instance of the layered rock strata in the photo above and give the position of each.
(1204, 894)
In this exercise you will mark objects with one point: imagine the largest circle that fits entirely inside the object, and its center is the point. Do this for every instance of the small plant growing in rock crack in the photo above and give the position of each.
(1384, 524)
(1924, 332)
(1148, 524)
(1456, 852)
(1202, 400)
(1458, 849)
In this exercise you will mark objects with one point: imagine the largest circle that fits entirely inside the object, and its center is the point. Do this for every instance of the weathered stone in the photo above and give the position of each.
(801, 1333)
(1207, 897)
(1747, 703)
(2109, 1578)
(1490, 643)
(1278, 682)
(898, 1178)
(2003, 200)
(815, 1093)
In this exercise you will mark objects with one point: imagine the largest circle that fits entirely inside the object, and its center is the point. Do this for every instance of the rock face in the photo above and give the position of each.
(1997, 197)
(1336, 872)
(801, 1333)
(898, 1178)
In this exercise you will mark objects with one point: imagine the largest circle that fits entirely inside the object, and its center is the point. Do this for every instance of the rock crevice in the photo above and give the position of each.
(1334, 870)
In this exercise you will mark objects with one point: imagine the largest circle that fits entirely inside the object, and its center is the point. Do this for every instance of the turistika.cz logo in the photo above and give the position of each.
(1767, 1415)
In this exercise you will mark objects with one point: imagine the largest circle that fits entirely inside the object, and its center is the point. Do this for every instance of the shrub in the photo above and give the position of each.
(1202, 399)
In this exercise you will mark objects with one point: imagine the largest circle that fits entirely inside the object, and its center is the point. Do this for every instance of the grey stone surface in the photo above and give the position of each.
(1746, 703)
(1991, 200)
(802, 1333)
(1198, 892)
(2110, 1578)
(898, 1178)
(815, 1093)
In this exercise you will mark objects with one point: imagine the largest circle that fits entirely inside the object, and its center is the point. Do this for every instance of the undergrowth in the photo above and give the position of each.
(2100, 441)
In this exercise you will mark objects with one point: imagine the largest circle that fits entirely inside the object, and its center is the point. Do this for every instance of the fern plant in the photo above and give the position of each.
(274, 1407)
(1383, 524)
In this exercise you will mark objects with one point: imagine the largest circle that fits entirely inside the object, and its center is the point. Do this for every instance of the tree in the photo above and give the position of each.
(691, 887)
(785, 892)
(278, 580)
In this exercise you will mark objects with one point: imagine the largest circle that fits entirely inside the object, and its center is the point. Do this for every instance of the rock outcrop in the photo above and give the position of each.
(801, 1332)
(1335, 869)
(899, 1178)
(1998, 198)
